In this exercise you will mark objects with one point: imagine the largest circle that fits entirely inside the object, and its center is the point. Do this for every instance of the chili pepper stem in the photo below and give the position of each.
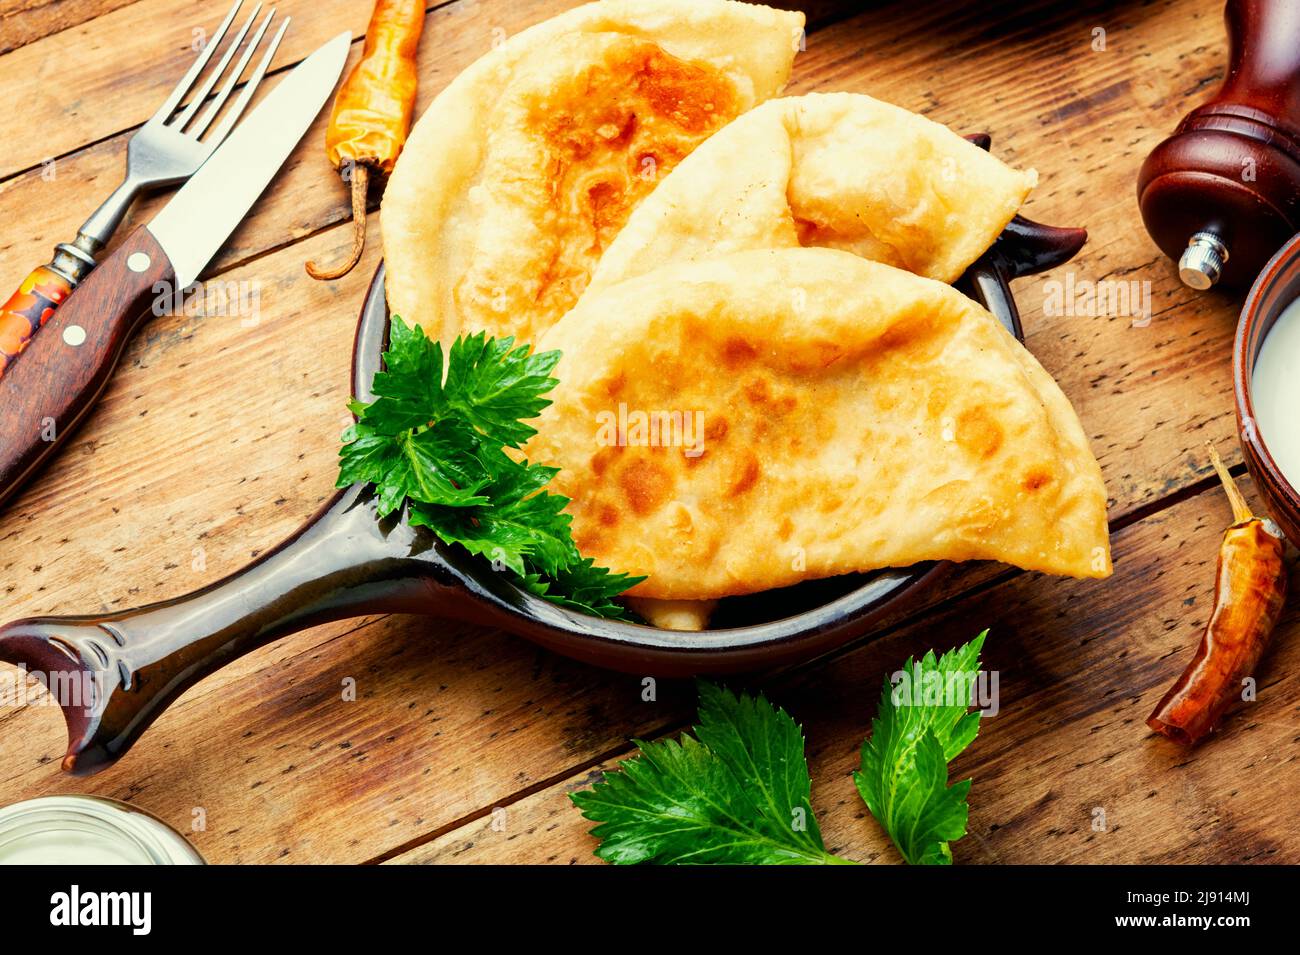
(1240, 509)
(359, 174)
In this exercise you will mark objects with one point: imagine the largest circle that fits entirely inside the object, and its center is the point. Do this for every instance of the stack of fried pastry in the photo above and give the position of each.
(760, 286)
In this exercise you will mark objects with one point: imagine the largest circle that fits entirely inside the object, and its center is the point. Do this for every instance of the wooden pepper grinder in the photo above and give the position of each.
(1222, 194)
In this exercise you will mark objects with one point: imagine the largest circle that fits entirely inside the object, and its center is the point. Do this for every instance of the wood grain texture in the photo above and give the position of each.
(218, 437)
(1080, 665)
(25, 21)
(110, 74)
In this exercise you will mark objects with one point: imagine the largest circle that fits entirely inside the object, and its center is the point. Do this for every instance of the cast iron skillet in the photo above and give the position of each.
(345, 562)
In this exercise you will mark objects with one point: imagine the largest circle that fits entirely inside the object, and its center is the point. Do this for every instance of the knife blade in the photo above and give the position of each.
(63, 372)
(206, 210)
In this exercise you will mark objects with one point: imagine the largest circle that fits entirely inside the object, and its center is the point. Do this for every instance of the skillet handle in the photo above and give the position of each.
(113, 675)
(1024, 248)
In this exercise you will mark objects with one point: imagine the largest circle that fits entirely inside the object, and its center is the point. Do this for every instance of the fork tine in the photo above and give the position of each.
(196, 100)
(232, 117)
(173, 100)
(205, 120)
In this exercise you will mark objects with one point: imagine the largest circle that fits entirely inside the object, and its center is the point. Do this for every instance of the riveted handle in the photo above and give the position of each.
(62, 372)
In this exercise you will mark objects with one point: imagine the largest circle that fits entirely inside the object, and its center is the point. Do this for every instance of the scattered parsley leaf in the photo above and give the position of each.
(916, 733)
(735, 793)
(434, 441)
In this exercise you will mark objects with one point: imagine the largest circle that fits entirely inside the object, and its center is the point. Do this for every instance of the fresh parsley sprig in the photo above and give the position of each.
(434, 441)
(738, 790)
(735, 793)
(919, 729)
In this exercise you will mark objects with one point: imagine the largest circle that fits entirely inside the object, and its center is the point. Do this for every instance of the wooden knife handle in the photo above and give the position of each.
(28, 309)
(64, 370)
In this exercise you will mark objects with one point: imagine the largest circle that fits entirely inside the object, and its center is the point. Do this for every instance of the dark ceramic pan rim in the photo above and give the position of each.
(346, 562)
(372, 333)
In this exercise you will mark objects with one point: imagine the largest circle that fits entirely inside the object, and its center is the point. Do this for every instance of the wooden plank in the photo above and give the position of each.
(284, 769)
(86, 83)
(25, 21)
(45, 205)
(1080, 666)
(249, 417)
(1149, 395)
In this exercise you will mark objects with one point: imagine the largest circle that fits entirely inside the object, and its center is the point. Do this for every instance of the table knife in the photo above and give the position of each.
(63, 371)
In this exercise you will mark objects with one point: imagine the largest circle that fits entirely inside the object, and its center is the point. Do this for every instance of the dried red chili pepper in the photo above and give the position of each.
(372, 112)
(1248, 595)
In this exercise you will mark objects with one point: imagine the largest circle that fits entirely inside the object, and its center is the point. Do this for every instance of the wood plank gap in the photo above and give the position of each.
(277, 71)
(775, 677)
(372, 210)
(53, 16)
(586, 765)
(90, 144)
(1141, 512)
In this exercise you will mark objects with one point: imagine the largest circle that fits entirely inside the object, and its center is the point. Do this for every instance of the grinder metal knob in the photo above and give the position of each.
(1201, 265)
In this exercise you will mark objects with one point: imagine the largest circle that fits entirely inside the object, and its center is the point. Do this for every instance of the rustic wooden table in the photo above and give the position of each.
(218, 437)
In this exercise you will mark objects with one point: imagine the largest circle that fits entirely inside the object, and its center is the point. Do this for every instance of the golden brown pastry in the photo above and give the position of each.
(833, 415)
(526, 166)
(839, 170)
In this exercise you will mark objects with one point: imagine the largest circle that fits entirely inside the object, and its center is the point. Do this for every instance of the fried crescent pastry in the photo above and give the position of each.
(839, 170)
(833, 415)
(526, 166)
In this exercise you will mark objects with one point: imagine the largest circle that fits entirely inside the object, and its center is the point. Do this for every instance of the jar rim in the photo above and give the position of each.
(135, 831)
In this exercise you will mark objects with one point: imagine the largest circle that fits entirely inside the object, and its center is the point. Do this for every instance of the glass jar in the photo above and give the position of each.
(88, 830)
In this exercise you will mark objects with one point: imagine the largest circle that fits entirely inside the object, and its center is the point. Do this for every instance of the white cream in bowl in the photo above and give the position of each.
(1275, 392)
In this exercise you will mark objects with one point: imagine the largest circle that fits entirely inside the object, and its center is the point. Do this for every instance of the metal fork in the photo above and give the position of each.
(165, 150)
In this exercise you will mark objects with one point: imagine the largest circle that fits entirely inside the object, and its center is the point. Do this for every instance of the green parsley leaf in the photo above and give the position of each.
(418, 464)
(735, 793)
(514, 534)
(583, 587)
(408, 390)
(492, 385)
(433, 440)
(922, 724)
